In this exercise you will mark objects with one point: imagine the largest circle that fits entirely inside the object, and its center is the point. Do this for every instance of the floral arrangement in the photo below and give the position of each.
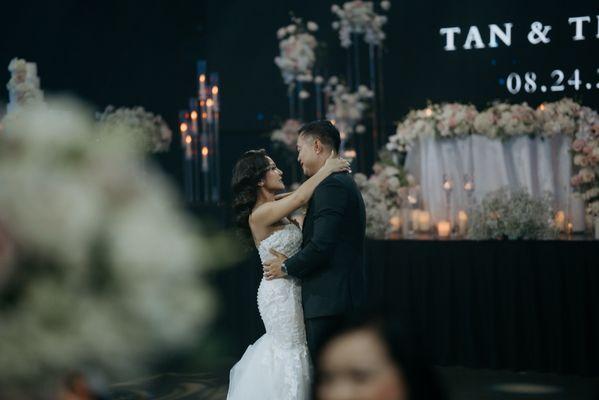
(147, 131)
(346, 108)
(360, 17)
(515, 215)
(297, 48)
(99, 267)
(384, 193)
(500, 120)
(503, 120)
(585, 151)
(286, 136)
(560, 117)
(24, 84)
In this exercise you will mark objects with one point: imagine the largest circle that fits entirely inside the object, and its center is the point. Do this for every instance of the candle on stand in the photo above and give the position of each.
(462, 222)
(570, 229)
(209, 104)
(188, 149)
(395, 222)
(443, 229)
(424, 221)
(183, 129)
(560, 221)
(194, 122)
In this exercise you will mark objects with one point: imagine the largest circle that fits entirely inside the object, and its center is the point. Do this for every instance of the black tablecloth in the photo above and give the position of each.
(520, 305)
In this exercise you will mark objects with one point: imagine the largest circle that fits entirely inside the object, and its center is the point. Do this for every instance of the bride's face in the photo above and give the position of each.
(273, 180)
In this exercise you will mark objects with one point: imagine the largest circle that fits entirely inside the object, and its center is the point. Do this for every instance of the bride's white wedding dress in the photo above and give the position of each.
(276, 366)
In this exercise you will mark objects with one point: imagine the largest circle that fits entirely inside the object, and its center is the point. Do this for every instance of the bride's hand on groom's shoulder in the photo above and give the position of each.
(336, 164)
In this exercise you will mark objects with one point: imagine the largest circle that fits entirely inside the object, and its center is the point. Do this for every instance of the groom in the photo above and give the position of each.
(331, 262)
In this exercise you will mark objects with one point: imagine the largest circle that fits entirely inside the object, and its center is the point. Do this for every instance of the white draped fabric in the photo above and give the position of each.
(535, 164)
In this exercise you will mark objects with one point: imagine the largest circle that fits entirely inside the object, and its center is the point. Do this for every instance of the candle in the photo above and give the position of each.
(462, 222)
(560, 220)
(395, 222)
(194, 122)
(444, 228)
(215, 98)
(188, 152)
(570, 228)
(424, 221)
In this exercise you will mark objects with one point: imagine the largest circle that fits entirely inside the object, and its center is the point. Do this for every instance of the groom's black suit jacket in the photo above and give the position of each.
(331, 262)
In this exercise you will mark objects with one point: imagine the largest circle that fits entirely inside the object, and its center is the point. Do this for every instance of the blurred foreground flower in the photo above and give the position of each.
(99, 266)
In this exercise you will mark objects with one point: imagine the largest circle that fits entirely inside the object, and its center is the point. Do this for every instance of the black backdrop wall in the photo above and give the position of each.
(143, 52)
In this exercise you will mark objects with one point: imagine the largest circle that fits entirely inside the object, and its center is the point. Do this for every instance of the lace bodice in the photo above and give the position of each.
(287, 240)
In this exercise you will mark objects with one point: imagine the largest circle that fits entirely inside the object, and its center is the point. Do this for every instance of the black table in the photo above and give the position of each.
(520, 305)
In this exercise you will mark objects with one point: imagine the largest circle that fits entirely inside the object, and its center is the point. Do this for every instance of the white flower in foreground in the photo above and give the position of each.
(312, 26)
(319, 80)
(385, 5)
(122, 265)
(303, 94)
(281, 33)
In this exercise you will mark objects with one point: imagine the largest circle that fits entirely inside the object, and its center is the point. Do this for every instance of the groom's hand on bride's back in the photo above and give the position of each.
(272, 269)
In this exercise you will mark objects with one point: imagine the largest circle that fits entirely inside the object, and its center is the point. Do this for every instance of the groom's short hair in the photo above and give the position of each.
(325, 131)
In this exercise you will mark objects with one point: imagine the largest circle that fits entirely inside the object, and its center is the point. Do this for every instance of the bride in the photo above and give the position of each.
(276, 366)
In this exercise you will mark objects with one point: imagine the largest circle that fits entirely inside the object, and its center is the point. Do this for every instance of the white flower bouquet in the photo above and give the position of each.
(516, 215)
(360, 17)
(145, 130)
(297, 53)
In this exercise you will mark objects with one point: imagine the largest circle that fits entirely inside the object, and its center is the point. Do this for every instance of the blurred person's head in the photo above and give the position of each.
(367, 358)
(315, 142)
(254, 174)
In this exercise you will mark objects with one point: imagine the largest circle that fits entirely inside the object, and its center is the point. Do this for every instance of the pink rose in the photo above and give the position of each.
(587, 149)
(575, 180)
(578, 145)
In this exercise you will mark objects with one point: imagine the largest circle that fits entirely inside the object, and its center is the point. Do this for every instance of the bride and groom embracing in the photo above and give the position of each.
(313, 267)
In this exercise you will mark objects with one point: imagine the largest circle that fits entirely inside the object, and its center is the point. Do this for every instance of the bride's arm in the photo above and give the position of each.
(271, 212)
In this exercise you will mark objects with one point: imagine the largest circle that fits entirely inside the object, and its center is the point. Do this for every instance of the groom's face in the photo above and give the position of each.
(307, 155)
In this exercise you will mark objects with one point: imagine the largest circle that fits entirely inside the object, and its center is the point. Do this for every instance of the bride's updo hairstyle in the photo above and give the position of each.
(248, 171)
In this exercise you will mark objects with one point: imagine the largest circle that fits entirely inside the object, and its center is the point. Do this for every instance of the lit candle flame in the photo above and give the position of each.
(215, 90)
(209, 103)
(202, 78)
(204, 151)
(183, 127)
(542, 107)
(188, 139)
(194, 115)
(428, 112)
(204, 115)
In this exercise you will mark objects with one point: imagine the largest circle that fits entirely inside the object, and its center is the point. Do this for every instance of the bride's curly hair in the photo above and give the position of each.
(247, 173)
